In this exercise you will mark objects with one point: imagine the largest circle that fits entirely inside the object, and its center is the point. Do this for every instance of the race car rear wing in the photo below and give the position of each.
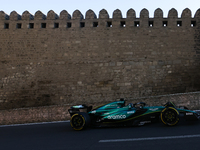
(79, 108)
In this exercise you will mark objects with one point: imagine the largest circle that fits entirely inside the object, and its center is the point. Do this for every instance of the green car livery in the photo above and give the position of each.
(118, 114)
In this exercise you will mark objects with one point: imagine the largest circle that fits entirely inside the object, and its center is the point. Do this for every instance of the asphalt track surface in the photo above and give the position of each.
(60, 136)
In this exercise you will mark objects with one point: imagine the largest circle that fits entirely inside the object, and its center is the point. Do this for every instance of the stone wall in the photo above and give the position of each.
(60, 112)
(65, 60)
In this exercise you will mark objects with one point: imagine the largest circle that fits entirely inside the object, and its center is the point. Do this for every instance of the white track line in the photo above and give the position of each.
(151, 138)
(29, 124)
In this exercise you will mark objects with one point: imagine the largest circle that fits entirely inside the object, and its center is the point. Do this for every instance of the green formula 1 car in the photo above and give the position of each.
(117, 113)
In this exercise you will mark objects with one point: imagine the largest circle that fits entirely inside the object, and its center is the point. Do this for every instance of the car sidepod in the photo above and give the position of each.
(191, 115)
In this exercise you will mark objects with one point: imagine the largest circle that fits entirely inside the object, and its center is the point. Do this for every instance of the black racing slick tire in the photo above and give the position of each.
(169, 116)
(80, 121)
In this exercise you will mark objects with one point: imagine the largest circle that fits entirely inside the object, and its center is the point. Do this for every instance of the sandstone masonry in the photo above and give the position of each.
(66, 60)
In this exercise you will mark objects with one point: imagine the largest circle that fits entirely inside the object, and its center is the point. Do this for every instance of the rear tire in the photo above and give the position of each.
(169, 116)
(80, 121)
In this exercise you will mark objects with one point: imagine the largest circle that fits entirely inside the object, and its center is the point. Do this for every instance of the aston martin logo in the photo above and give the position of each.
(153, 109)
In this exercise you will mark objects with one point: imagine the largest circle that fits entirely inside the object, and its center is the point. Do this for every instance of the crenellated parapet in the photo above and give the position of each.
(90, 15)
(3, 16)
(39, 16)
(14, 16)
(103, 14)
(27, 16)
(131, 14)
(117, 14)
(51, 15)
(77, 15)
(56, 59)
(64, 15)
(197, 14)
(77, 19)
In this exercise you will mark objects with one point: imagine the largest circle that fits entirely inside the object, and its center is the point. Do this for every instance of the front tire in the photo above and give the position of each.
(80, 121)
(169, 116)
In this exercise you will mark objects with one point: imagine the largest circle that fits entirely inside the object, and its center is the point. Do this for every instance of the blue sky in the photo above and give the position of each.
(96, 5)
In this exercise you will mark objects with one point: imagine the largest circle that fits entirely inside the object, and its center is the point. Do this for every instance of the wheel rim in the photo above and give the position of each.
(77, 122)
(170, 117)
